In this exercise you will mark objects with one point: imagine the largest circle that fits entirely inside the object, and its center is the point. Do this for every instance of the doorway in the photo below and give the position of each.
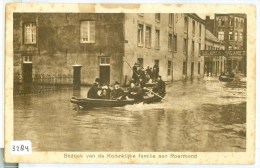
(27, 77)
(104, 70)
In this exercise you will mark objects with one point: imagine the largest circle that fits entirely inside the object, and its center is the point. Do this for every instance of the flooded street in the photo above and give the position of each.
(198, 116)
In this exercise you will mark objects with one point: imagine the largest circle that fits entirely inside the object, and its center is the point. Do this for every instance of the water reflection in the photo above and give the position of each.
(204, 115)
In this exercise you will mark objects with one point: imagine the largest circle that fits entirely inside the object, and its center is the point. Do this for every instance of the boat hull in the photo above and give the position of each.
(91, 103)
(224, 78)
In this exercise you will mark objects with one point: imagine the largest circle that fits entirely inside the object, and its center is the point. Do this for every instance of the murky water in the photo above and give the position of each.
(205, 115)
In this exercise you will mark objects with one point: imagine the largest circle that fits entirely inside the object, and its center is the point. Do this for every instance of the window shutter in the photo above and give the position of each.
(92, 31)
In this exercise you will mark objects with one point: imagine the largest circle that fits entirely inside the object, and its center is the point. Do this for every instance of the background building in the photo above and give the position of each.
(214, 65)
(106, 44)
(231, 30)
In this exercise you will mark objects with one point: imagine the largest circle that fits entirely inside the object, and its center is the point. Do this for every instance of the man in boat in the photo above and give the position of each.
(117, 93)
(160, 86)
(93, 91)
(155, 70)
(135, 73)
(135, 92)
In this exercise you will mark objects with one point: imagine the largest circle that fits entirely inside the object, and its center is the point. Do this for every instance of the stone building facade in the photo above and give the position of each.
(104, 44)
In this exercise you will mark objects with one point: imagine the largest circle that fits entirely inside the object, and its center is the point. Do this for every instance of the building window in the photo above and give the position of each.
(193, 27)
(240, 36)
(236, 36)
(221, 35)
(157, 17)
(219, 22)
(223, 22)
(199, 68)
(104, 61)
(175, 43)
(140, 35)
(140, 61)
(231, 22)
(200, 30)
(148, 37)
(29, 33)
(170, 40)
(27, 59)
(157, 38)
(169, 69)
(87, 32)
(185, 46)
(230, 36)
(171, 19)
(192, 49)
(229, 47)
(184, 68)
(242, 23)
(185, 24)
(236, 22)
(199, 49)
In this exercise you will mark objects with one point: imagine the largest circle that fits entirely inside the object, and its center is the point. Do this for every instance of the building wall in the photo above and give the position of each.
(58, 44)
(235, 63)
(196, 58)
(216, 64)
(148, 54)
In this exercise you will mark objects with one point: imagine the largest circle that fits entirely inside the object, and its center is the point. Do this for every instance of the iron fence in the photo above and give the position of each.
(41, 83)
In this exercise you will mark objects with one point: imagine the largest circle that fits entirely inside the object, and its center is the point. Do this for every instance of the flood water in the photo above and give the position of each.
(200, 116)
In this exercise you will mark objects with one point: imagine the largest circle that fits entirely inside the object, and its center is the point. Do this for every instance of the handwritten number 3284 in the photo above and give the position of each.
(20, 148)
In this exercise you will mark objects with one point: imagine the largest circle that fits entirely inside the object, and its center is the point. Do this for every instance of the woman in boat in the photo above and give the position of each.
(117, 93)
(106, 92)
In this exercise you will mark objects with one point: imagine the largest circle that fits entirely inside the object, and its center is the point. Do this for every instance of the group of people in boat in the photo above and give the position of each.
(135, 91)
(148, 75)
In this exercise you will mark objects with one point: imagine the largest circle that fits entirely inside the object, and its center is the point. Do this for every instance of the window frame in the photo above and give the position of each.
(149, 45)
(157, 17)
(31, 33)
(170, 41)
(157, 39)
(169, 68)
(89, 34)
(140, 42)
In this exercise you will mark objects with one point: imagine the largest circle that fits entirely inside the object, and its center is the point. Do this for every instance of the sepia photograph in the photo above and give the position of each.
(131, 82)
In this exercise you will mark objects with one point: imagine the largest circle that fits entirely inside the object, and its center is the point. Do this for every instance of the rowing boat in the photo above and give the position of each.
(91, 103)
(226, 78)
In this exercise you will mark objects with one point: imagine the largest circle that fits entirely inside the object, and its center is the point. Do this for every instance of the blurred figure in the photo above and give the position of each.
(93, 91)
(117, 93)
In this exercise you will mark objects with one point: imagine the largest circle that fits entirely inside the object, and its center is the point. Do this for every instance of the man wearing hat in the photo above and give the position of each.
(117, 92)
(135, 73)
(93, 91)
(160, 86)
(135, 92)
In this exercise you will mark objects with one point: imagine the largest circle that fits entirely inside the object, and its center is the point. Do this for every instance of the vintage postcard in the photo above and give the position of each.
(130, 83)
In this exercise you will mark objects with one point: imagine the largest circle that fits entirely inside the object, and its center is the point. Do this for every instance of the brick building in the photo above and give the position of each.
(231, 29)
(103, 44)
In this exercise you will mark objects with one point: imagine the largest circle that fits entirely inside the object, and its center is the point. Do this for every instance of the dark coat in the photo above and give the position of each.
(116, 93)
(135, 93)
(93, 91)
(155, 71)
(135, 73)
(159, 87)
